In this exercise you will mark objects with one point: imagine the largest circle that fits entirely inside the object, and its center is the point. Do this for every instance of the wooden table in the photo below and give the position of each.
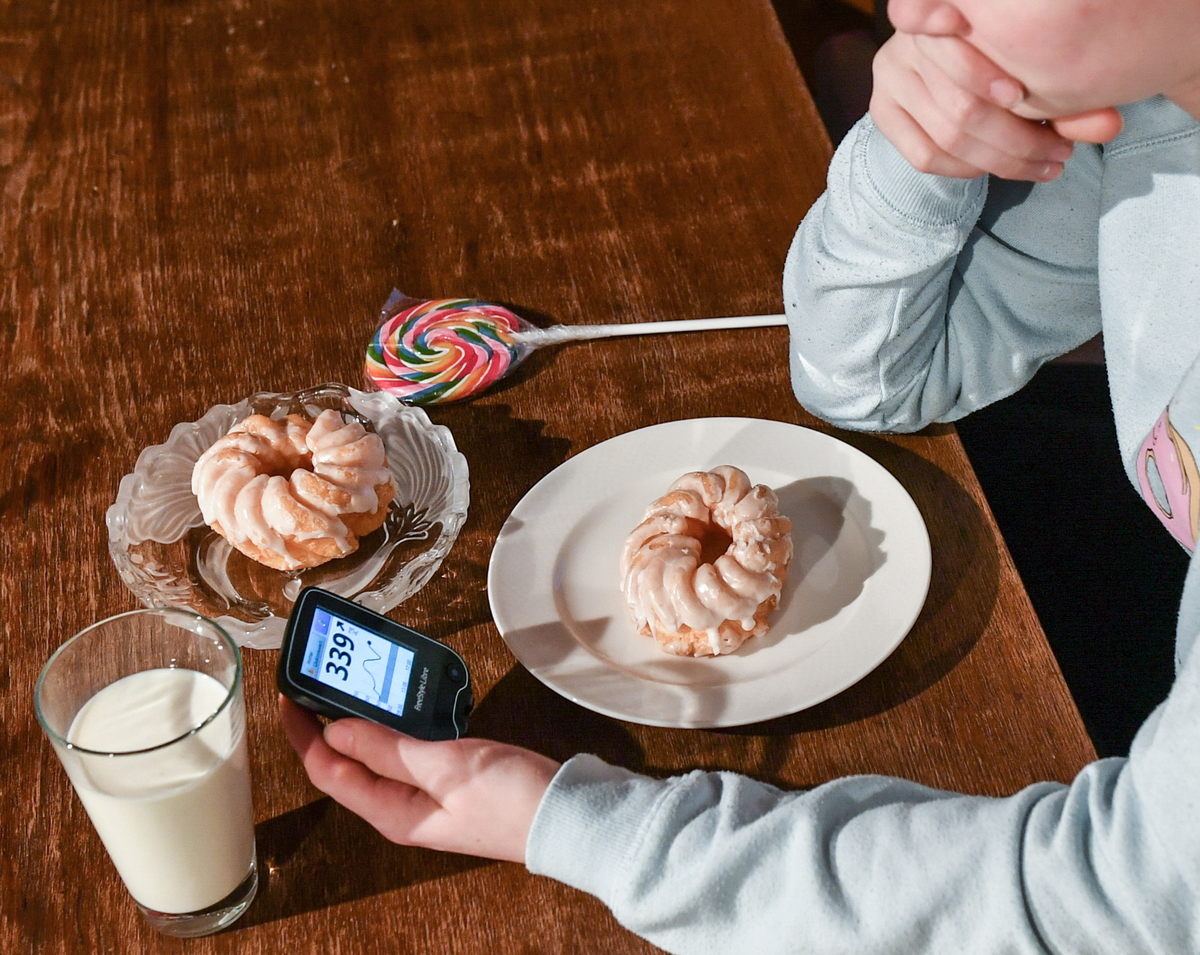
(205, 198)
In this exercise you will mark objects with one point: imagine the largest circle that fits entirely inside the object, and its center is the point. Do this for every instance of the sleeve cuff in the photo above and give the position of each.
(589, 822)
(918, 197)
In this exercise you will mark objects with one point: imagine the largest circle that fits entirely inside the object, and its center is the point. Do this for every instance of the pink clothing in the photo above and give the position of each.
(1167, 475)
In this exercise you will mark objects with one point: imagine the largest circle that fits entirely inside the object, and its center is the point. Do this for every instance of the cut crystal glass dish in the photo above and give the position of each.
(169, 557)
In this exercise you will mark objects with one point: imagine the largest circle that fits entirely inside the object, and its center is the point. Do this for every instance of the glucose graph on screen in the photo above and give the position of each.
(387, 672)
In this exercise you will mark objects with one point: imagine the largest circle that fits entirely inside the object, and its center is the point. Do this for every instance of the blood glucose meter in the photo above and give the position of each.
(340, 659)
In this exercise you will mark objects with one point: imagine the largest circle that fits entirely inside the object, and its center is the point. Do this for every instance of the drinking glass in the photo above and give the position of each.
(145, 712)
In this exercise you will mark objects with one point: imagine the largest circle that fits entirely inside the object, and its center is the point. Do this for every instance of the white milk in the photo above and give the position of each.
(177, 821)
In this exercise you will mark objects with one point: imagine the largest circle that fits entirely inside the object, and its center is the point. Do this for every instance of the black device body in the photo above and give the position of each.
(340, 659)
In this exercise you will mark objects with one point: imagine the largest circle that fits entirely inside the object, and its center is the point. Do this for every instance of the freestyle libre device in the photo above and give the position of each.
(340, 659)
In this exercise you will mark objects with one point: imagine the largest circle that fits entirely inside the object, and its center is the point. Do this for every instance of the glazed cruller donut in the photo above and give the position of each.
(294, 493)
(692, 601)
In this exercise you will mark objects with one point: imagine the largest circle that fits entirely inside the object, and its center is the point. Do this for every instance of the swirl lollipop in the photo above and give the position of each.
(429, 352)
(443, 350)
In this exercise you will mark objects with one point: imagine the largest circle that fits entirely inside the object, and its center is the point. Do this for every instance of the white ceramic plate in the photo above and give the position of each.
(855, 586)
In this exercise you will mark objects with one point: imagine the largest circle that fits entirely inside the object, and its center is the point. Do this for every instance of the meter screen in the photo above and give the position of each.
(357, 661)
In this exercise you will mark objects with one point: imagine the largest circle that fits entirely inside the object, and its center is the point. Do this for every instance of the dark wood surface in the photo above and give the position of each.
(200, 199)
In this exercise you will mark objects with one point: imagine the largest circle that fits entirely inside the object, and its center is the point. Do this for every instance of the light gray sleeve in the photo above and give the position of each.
(914, 298)
(718, 863)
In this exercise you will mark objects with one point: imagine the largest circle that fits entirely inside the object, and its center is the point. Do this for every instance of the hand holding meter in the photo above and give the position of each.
(340, 659)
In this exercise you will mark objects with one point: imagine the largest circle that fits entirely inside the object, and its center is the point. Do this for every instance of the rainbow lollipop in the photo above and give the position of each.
(429, 352)
(443, 350)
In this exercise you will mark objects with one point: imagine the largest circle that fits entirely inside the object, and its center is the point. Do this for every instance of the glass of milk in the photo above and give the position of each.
(145, 712)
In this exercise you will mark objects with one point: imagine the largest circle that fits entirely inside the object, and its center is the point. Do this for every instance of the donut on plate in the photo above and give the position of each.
(293, 493)
(707, 563)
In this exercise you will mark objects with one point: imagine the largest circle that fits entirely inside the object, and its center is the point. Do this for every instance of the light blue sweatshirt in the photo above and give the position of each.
(914, 299)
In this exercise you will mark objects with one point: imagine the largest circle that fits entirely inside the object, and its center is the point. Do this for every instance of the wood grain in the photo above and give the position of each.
(200, 199)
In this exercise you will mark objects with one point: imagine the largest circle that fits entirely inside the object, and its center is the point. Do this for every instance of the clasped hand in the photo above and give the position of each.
(951, 111)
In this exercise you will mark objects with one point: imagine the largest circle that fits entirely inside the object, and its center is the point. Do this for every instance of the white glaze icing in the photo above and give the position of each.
(270, 483)
(670, 591)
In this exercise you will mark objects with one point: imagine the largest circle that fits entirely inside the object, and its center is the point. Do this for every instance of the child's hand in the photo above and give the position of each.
(950, 110)
(469, 795)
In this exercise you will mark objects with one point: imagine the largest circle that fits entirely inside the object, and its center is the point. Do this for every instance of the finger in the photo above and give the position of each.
(1095, 126)
(898, 92)
(979, 132)
(915, 145)
(396, 809)
(301, 727)
(329, 770)
(906, 111)
(401, 813)
(378, 747)
(933, 131)
(970, 70)
(385, 793)
(997, 142)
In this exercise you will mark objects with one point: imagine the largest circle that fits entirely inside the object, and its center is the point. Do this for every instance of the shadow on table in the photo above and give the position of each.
(962, 592)
(322, 855)
(522, 710)
(455, 598)
(483, 432)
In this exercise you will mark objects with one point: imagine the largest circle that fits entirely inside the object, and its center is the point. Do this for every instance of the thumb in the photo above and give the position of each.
(377, 747)
(1094, 126)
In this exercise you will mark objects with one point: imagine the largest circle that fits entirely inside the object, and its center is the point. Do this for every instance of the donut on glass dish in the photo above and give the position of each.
(706, 565)
(294, 493)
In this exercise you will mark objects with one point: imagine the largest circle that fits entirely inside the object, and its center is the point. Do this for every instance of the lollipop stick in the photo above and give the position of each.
(573, 333)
